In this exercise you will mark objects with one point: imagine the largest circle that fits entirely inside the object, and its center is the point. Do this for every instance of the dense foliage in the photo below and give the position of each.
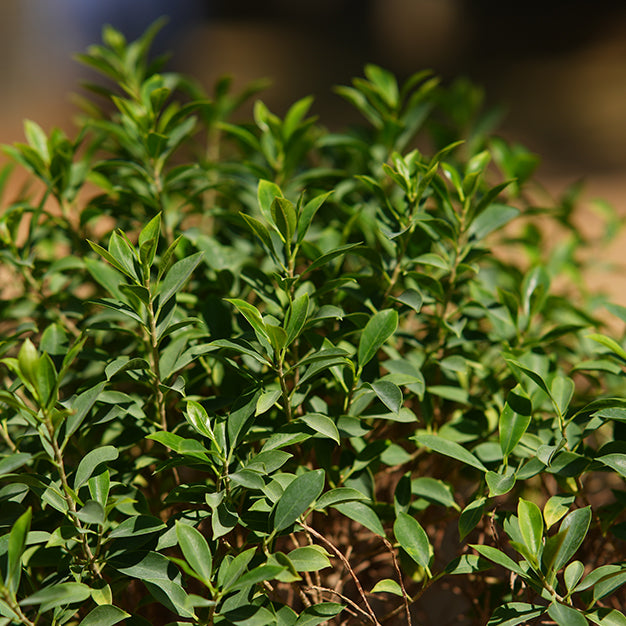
(264, 373)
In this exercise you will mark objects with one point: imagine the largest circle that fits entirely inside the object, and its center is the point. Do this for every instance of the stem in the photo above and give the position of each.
(283, 387)
(15, 607)
(396, 566)
(154, 352)
(69, 499)
(347, 565)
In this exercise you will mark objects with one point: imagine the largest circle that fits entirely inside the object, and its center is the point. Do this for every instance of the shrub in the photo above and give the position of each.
(309, 376)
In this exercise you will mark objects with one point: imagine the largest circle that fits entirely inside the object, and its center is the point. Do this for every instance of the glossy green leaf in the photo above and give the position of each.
(266, 193)
(90, 462)
(376, 332)
(318, 614)
(321, 424)
(572, 575)
(530, 525)
(389, 394)
(514, 419)
(17, 544)
(607, 617)
(514, 613)
(104, 615)
(297, 498)
(284, 218)
(363, 514)
(58, 595)
(565, 615)
(338, 495)
(177, 276)
(387, 585)
(499, 557)
(561, 547)
(500, 484)
(556, 507)
(413, 539)
(449, 448)
(195, 550)
(434, 490)
(470, 516)
(309, 558)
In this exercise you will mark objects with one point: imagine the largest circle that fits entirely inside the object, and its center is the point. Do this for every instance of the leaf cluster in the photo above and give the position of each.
(262, 373)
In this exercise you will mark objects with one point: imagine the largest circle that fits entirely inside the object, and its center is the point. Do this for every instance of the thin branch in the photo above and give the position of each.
(323, 539)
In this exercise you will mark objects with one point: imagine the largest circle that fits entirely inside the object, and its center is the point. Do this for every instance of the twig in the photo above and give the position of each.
(352, 603)
(405, 595)
(343, 559)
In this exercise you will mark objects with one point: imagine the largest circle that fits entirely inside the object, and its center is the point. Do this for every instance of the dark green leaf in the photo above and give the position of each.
(297, 498)
(565, 615)
(449, 448)
(514, 419)
(90, 462)
(413, 539)
(376, 332)
(363, 514)
(195, 550)
(104, 615)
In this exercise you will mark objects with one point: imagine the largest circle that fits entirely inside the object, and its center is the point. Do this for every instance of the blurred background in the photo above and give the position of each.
(557, 66)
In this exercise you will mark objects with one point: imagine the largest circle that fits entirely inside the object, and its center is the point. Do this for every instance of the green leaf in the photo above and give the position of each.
(90, 462)
(363, 514)
(413, 539)
(177, 276)
(572, 575)
(306, 216)
(260, 230)
(449, 448)
(253, 316)
(616, 461)
(199, 419)
(514, 419)
(609, 343)
(297, 498)
(104, 615)
(376, 332)
(556, 507)
(434, 490)
(17, 543)
(196, 551)
(256, 576)
(266, 192)
(58, 595)
(499, 557)
(14, 461)
(284, 218)
(338, 495)
(136, 526)
(149, 240)
(318, 614)
(309, 559)
(514, 613)
(387, 585)
(297, 317)
(530, 525)
(389, 394)
(467, 564)
(470, 516)
(92, 513)
(500, 484)
(607, 617)
(565, 615)
(561, 547)
(321, 424)
(493, 217)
